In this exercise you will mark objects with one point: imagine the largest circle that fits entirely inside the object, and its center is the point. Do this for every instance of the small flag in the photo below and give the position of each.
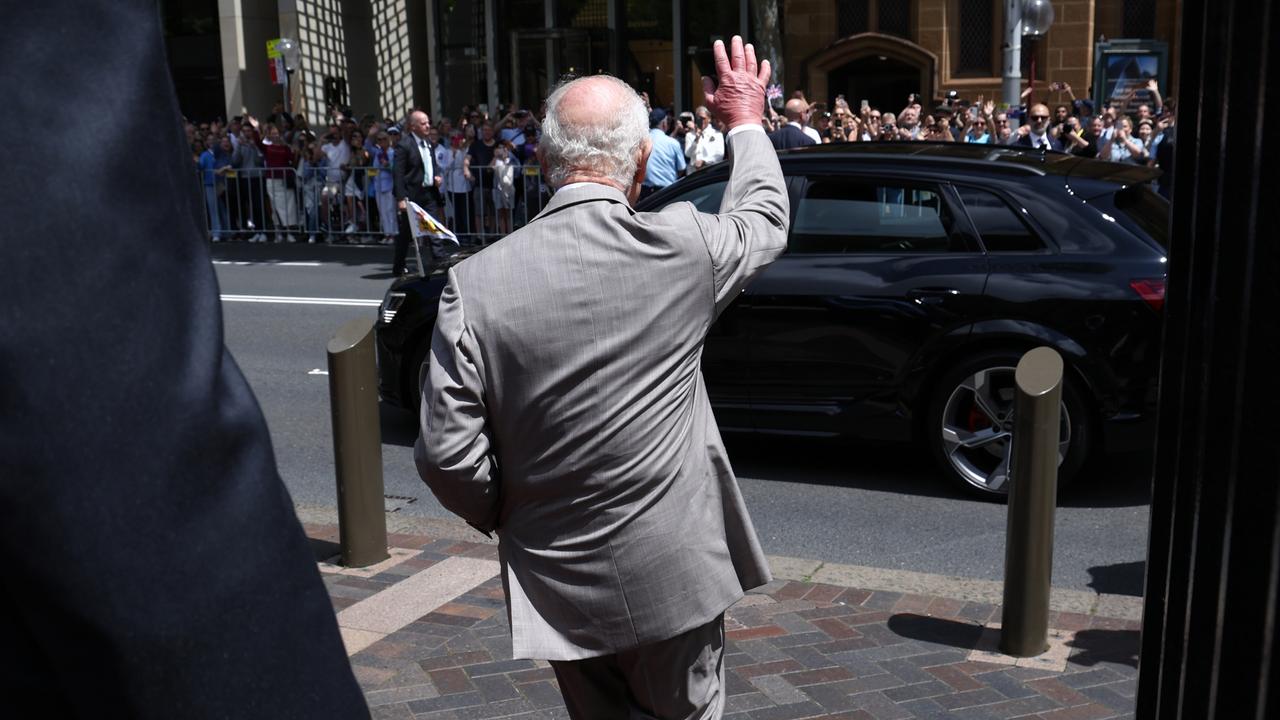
(422, 224)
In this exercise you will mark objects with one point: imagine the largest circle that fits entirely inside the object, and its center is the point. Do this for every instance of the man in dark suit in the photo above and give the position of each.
(154, 566)
(1035, 133)
(791, 134)
(417, 180)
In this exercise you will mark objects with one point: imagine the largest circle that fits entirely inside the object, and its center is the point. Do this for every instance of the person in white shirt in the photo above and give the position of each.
(704, 145)
(808, 128)
(504, 187)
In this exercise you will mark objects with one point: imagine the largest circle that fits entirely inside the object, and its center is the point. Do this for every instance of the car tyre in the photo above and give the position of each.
(970, 420)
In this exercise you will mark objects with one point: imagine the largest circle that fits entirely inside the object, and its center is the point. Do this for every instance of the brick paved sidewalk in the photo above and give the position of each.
(429, 636)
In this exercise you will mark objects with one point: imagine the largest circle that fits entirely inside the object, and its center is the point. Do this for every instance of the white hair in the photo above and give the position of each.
(607, 146)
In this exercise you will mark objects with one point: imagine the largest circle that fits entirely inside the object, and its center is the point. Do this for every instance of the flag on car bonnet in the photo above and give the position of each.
(422, 224)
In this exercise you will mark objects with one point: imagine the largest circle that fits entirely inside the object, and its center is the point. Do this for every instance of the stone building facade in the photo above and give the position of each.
(882, 50)
(387, 56)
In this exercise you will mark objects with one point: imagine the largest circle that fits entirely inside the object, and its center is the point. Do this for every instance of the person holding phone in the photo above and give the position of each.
(704, 145)
(1122, 146)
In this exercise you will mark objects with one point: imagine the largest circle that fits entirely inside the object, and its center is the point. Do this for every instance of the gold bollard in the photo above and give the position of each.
(1033, 494)
(357, 444)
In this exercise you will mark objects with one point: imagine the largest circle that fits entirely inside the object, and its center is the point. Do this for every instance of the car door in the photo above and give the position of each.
(875, 269)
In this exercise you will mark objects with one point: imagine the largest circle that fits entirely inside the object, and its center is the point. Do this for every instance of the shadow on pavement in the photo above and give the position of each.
(1118, 579)
(351, 255)
(1105, 646)
(1123, 481)
(1114, 481)
(955, 633)
(323, 550)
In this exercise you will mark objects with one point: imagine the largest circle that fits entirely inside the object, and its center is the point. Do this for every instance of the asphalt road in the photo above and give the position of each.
(833, 501)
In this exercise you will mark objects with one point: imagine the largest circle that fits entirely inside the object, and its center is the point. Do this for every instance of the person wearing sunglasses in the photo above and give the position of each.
(1035, 133)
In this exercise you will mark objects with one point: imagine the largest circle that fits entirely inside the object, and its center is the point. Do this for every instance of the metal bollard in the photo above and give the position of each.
(1032, 499)
(357, 444)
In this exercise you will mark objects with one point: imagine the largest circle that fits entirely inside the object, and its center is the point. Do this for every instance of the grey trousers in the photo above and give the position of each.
(681, 678)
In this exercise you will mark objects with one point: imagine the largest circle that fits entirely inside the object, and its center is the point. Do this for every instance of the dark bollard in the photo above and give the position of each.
(357, 444)
(1032, 498)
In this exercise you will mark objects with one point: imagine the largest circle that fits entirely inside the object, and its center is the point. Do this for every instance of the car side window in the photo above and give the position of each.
(852, 215)
(705, 197)
(998, 225)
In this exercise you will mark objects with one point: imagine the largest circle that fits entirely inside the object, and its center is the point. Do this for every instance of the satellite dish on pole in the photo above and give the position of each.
(1037, 16)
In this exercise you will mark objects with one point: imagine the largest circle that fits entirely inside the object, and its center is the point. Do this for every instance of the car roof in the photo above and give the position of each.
(983, 158)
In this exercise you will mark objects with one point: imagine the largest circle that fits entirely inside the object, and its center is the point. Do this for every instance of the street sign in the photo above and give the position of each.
(275, 62)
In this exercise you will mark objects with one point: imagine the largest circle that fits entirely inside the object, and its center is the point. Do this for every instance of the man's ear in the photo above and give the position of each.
(642, 162)
(542, 162)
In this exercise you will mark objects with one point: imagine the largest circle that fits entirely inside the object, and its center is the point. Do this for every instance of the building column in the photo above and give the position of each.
(677, 56)
(491, 53)
(433, 62)
(553, 62)
(244, 27)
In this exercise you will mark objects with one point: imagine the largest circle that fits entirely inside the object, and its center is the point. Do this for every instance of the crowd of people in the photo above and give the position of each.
(1130, 130)
(282, 179)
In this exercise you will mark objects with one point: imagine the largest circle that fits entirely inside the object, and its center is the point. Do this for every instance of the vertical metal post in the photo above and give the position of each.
(1032, 497)
(357, 444)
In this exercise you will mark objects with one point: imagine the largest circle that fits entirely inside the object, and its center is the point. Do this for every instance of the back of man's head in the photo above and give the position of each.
(796, 109)
(596, 126)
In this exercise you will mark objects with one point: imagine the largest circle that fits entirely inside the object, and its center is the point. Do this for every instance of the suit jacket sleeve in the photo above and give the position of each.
(751, 230)
(399, 166)
(454, 451)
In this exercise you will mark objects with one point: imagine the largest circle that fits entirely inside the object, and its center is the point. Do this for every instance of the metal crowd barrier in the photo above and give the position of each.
(343, 205)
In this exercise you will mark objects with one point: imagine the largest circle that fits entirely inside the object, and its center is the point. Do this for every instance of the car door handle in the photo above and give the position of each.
(931, 295)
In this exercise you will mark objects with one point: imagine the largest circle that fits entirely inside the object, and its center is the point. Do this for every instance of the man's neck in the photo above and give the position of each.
(583, 178)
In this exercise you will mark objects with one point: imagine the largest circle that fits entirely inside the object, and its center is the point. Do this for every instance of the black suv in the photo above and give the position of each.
(916, 276)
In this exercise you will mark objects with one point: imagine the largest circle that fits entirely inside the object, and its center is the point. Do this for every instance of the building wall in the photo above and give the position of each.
(814, 48)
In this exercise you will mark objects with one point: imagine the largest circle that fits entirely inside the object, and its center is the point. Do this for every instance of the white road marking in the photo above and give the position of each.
(287, 300)
(278, 263)
(377, 616)
(318, 371)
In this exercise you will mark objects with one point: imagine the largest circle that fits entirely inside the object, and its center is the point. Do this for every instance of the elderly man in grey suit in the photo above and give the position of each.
(564, 406)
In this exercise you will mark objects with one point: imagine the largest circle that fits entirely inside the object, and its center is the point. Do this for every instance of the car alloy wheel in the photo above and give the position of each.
(976, 427)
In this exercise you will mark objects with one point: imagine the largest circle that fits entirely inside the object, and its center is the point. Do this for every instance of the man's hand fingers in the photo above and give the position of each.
(722, 60)
(737, 60)
(752, 66)
(709, 93)
(765, 71)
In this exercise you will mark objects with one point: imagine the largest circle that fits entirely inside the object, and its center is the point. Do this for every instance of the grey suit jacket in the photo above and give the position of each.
(564, 406)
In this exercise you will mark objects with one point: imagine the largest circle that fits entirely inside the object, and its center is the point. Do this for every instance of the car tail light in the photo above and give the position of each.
(1150, 290)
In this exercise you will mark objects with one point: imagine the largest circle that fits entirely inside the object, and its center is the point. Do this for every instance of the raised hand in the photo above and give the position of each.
(739, 97)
